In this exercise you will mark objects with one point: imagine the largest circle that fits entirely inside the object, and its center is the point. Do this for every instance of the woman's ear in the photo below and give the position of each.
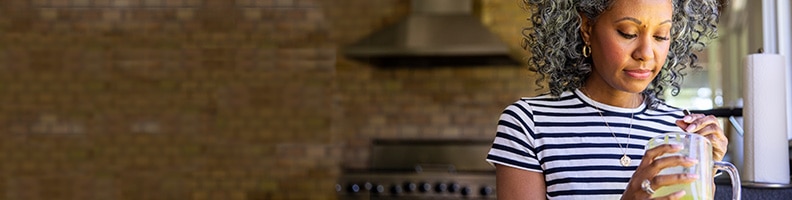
(585, 28)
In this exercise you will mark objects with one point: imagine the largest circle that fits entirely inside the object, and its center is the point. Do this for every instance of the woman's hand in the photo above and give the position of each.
(649, 168)
(708, 127)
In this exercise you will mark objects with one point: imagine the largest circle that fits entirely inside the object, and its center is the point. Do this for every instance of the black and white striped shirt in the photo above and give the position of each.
(567, 140)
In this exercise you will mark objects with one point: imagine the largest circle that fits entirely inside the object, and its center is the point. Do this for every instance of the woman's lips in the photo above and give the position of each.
(639, 74)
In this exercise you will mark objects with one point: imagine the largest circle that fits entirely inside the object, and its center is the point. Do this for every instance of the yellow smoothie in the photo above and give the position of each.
(691, 191)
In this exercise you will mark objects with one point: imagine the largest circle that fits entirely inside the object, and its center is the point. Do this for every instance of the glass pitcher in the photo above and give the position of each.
(697, 147)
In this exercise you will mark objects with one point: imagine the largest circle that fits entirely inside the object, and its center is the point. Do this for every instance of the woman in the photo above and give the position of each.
(606, 63)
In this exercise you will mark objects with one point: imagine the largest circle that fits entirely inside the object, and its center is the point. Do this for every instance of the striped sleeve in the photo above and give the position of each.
(514, 141)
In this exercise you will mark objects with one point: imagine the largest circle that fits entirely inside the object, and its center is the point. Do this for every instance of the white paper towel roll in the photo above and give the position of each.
(765, 143)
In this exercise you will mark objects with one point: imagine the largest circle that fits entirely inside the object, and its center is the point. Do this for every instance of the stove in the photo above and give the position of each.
(422, 169)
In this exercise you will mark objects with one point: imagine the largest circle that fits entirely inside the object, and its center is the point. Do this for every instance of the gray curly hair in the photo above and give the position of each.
(554, 41)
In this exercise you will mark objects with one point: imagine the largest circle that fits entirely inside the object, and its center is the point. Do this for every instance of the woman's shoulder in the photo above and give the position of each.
(548, 98)
(662, 108)
(546, 101)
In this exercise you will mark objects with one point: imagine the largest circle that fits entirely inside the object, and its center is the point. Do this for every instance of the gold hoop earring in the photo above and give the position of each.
(586, 51)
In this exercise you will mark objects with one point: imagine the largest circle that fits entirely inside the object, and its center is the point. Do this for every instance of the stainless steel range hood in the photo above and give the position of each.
(436, 32)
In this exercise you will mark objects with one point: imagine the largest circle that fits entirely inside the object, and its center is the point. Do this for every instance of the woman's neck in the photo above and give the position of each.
(614, 97)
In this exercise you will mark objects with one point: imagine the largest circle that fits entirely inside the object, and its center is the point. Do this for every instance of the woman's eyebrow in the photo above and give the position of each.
(629, 19)
(636, 21)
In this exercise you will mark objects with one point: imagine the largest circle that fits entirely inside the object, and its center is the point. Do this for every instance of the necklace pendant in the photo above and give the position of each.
(625, 160)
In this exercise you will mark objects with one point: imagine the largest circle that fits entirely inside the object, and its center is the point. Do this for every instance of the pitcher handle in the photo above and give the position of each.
(735, 177)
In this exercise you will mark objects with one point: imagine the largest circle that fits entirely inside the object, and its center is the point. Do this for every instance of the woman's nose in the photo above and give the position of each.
(644, 51)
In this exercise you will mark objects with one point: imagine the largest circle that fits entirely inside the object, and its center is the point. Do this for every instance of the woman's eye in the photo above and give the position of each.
(660, 38)
(628, 36)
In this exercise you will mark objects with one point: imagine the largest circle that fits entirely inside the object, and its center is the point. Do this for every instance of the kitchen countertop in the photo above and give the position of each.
(724, 192)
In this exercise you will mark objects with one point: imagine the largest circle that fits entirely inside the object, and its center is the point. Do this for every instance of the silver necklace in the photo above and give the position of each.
(625, 160)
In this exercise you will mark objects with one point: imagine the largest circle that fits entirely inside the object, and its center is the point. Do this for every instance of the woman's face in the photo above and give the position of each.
(629, 43)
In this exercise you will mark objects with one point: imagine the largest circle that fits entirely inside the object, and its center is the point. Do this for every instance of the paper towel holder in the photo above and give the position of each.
(752, 184)
(730, 113)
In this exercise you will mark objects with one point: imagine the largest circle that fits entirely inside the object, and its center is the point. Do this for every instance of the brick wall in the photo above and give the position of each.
(424, 102)
(219, 99)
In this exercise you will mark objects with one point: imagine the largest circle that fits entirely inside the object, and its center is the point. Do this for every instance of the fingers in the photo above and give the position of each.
(695, 122)
(651, 164)
(708, 127)
(652, 154)
(672, 179)
(715, 135)
(703, 125)
(692, 117)
(670, 161)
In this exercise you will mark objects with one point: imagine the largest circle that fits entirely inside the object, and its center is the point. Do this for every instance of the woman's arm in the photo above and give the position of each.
(513, 183)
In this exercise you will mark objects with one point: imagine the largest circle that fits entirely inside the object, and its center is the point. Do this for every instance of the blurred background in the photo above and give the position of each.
(219, 99)
(243, 99)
